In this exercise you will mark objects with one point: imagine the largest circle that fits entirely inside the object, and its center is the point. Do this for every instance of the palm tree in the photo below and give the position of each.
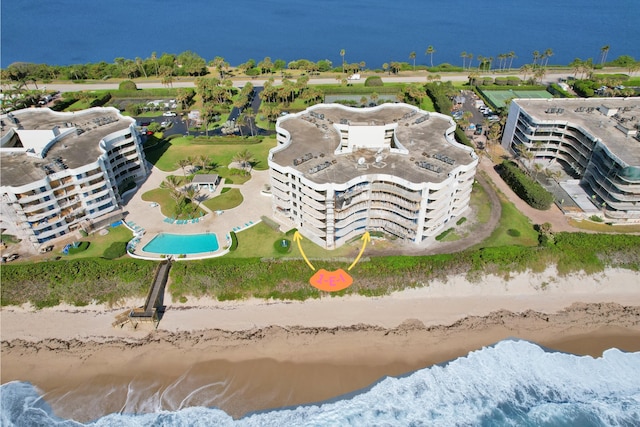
(244, 157)
(525, 70)
(140, 65)
(539, 74)
(241, 121)
(511, 55)
(342, 53)
(604, 50)
(430, 51)
(412, 56)
(538, 168)
(250, 115)
(183, 163)
(170, 183)
(203, 161)
(536, 56)
(154, 58)
(463, 55)
(192, 192)
(177, 196)
(547, 54)
(470, 56)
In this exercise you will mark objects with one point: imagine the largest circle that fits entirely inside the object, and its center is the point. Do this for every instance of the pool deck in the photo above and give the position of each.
(144, 215)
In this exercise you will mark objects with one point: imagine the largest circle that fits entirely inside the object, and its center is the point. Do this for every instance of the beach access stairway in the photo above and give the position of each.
(149, 312)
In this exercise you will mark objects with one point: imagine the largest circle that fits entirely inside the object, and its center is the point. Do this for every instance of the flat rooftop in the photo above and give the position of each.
(420, 132)
(588, 113)
(74, 150)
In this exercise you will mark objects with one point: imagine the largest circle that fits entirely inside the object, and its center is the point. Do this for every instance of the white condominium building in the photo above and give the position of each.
(340, 171)
(65, 171)
(595, 140)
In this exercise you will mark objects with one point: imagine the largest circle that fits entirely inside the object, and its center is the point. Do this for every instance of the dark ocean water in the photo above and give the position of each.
(514, 383)
(374, 31)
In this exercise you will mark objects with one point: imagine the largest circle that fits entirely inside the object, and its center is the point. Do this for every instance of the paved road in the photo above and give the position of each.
(417, 77)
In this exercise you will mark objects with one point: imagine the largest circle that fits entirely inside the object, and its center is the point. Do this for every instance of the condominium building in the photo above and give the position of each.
(595, 141)
(340, 171)
(66, 171)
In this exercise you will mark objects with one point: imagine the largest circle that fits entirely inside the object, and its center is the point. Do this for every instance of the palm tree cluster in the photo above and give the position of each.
(187, 198)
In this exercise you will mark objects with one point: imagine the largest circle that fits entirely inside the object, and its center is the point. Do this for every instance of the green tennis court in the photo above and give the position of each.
(499, 97)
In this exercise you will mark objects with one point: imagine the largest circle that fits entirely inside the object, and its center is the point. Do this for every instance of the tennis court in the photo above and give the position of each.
(498, 98)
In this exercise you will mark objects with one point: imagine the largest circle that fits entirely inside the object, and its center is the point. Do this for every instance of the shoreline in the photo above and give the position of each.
(256, 355)
(242, 372)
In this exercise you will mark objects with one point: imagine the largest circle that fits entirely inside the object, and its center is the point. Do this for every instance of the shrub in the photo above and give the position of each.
(127, 85)
(282, 246)
(116, 250)
(513, 232)
(270, 223)
(595, 218)
(234, 241)
(461, 221)
(526, 188)
(373, 81)
(291, 232)
(444, 234)
(99, 102)
(82, 246)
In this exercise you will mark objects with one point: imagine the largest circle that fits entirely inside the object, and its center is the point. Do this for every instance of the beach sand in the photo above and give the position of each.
(255, 355)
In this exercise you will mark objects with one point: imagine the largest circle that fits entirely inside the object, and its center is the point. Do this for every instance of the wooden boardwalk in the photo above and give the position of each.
(149, 312)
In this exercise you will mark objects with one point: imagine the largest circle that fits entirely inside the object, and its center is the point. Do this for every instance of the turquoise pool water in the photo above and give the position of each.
(176, 244)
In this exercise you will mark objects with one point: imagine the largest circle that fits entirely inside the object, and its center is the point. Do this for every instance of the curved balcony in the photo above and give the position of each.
(313, 220)
(313, 203)
(356, 216)
(353, 227)
(415, 196)
(276, 192)
(353, 208)
(313, 212)
(399, 201)
(391, 217)
(392, 207)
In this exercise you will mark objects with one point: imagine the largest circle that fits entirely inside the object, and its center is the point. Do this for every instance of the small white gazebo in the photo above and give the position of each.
(209, 181)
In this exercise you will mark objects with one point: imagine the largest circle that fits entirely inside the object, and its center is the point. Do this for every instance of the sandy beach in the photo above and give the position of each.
(254, 355)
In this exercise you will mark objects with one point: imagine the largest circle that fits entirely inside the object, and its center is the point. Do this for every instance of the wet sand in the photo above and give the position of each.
(255, 355)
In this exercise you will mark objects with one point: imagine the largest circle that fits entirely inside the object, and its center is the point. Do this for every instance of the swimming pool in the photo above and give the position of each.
(177, 244)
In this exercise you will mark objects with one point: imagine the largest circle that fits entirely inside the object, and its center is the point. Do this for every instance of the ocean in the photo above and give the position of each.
(513, 383)
(65, 32)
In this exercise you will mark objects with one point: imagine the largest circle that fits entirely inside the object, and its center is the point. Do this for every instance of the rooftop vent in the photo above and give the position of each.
(428, 166)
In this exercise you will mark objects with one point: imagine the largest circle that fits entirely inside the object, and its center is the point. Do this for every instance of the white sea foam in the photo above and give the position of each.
(511, 383)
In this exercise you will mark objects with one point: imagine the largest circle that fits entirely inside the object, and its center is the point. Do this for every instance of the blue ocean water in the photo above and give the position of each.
(513, 383)
(374, 31)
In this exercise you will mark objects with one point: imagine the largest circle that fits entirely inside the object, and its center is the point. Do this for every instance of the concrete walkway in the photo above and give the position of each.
(144, 215)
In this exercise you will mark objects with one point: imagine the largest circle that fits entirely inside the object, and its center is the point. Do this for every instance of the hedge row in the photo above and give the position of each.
(526, 188)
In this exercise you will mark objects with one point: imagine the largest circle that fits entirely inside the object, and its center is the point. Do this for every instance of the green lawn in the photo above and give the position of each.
(167, 155)
(167, 205)
(228, 200)
(97, 243)
(511, 219)
(258, 240)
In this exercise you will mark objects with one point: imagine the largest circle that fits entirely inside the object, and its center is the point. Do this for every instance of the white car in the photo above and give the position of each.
(169, 114)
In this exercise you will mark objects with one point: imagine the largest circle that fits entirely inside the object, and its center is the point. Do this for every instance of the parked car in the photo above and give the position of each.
(169, 114)
(46, 249)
